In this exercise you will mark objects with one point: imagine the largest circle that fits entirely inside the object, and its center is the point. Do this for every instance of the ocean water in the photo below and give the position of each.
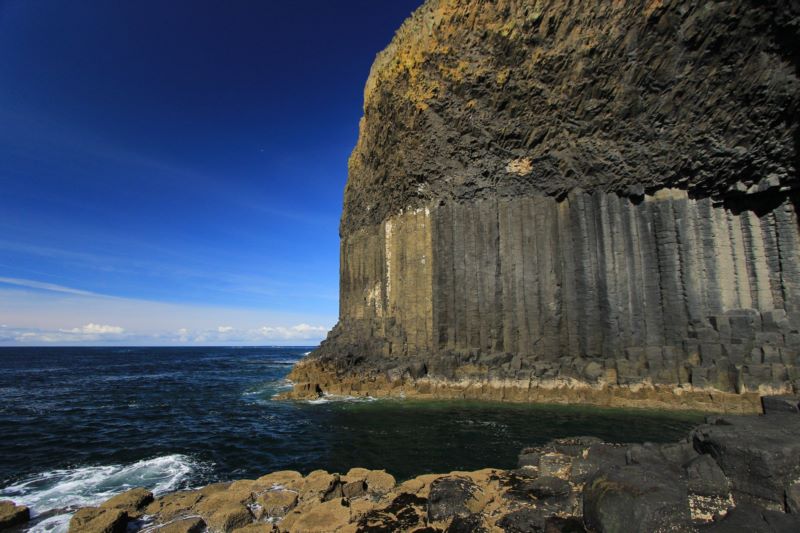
(78, 425)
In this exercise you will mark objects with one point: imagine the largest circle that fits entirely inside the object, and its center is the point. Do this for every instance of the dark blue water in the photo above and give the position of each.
(79, 424)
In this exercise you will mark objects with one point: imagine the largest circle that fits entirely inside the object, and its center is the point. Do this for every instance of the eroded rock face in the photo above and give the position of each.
(587, 202)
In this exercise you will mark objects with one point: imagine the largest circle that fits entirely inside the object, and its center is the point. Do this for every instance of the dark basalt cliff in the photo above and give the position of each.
(574, 201)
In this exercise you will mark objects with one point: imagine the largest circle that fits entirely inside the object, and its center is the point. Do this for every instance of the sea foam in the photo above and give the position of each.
(57, 493)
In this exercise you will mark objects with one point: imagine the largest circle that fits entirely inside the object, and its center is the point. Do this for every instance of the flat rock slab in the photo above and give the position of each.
(759, 454)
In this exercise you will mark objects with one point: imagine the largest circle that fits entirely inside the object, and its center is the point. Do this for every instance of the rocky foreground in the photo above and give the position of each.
(733, 473)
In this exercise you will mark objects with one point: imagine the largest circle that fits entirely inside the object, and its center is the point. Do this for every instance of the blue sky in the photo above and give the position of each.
(172, 172)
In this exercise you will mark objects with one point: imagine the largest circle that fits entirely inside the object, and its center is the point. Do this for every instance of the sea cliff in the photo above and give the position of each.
(574, 202)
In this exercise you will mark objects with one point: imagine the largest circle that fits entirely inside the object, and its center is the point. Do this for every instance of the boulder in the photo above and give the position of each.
(474, 523)
(287, 479)
(522, 521)
(706, 478)
(760, 455)
(323, 518)
(132, 501)
(12, 514)
(228, 517)
(379, 482)
(555, 464)
(357, 473)
(354, 489)
(276, 503)
(452, 496)
(226, 510)
(780, 404)
(635, 499)
(751, 519)
(97, 520)
(317, 484)
(406, 512)
(174, 504)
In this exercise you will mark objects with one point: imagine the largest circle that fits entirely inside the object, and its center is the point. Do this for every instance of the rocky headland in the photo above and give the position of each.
(731, 474)
(589, 202)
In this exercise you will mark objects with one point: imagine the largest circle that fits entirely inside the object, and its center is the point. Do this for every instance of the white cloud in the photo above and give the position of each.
(95, 329)
(55, 316)
(303, 333)
(300, 331)
(89, 333)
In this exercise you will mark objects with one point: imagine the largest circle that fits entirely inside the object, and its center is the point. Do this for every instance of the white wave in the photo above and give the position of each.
(306, 353)
(270, 387)
(64, 490)
(54, 524)
(328, 398)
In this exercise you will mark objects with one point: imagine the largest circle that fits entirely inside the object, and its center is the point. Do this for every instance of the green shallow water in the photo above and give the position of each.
(411, 437)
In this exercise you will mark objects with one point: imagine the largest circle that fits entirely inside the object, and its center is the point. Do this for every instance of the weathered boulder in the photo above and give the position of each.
(452, 496)
(287, 479)
(318, 483)
(760, 455)
(706, 478)
(276, 503)
(474, 523)
(354, 489)
(174, 504)
(379, 482)
(97, 520)
(132, 501)
(228, 517)
(635, 499)
(752, 519)
(780, 404)
(12, 514)
(406, 512)
(323, 518)
(522, 521)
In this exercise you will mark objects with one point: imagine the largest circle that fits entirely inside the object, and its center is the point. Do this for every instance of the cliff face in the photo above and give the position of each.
(574, 201)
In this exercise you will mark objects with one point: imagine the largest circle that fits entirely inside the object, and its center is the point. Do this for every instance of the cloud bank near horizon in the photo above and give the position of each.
(104, 334)
(35, 314)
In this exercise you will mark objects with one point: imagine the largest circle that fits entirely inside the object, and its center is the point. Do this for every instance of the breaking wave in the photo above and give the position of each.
(54, 495)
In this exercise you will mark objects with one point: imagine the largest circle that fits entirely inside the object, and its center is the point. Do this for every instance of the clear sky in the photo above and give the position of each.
(171, 172)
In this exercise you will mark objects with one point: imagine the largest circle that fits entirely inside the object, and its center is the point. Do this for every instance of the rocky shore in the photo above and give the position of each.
(732, 473)
(318, 375)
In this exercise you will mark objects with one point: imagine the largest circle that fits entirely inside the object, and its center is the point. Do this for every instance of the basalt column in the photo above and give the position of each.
(574, 201)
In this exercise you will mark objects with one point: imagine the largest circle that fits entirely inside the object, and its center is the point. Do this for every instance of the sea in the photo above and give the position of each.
(78, 425)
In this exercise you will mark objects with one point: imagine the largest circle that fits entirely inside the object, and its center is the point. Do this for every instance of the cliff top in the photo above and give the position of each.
(474, 99)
